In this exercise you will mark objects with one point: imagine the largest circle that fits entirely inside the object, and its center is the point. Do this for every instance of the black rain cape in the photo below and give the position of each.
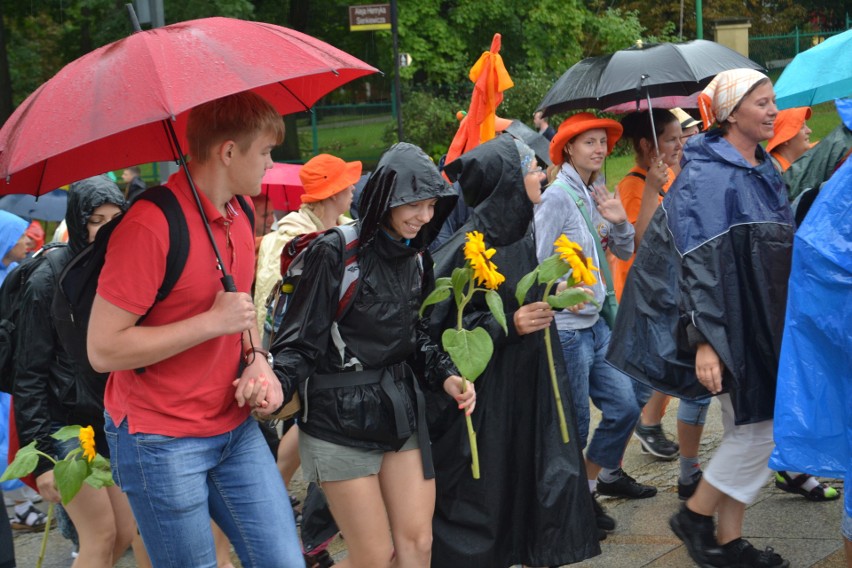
(716, 258)
(532, 504)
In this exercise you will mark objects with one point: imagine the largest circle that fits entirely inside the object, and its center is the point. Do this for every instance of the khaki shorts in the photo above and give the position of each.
(325, 461)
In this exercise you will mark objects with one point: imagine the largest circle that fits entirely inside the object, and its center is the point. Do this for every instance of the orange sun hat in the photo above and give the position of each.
(325, 175)
(576, 125)
(787, 124)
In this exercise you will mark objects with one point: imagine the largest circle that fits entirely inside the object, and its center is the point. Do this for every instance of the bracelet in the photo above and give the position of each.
(249, 355)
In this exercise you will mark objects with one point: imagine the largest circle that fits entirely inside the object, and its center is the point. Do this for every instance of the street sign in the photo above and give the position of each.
(369, 17)
(404, 59)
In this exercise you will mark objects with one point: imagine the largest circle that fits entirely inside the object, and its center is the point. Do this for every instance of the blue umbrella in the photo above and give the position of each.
(822, 73)
(47, 207)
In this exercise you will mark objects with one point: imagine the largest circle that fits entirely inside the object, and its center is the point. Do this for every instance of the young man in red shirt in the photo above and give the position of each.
(184, 448)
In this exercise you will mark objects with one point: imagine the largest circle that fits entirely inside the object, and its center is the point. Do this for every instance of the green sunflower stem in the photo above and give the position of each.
(563, 425)
(471, 436)
(46, 533)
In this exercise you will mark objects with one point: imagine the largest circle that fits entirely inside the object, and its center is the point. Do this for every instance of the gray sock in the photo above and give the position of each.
(609, 475)
(689, 468)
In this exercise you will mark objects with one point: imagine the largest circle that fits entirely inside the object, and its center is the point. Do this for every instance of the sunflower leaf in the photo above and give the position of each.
(69, 475)
(443, 282)
(438, 295)
(470, 350)
(461, 276)
(524, 286)
(66, 433)
(568, 298)
(495, 304)
(24, 463)
(552, 269)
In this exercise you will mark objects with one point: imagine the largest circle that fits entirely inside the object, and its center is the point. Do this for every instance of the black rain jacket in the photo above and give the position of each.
(49, 386)
(712, 267)
(381, 330)
(531, 505)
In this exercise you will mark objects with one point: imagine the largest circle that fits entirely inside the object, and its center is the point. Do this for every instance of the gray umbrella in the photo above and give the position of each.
(539, 144)
(47, 207)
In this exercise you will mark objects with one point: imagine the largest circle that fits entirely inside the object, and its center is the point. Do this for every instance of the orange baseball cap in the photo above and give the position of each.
(787, 124)
(325, 175)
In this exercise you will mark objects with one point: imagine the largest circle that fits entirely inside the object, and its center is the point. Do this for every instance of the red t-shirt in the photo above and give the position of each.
(189, 394)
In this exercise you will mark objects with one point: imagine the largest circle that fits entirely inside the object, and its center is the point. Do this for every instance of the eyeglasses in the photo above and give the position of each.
(535, 171)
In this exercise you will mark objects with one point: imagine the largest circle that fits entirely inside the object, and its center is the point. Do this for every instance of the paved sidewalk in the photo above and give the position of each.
(807, 534)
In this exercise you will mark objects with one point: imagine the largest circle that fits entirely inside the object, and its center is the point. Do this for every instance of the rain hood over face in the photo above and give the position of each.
(405, 174)
(84, 197)
(11, 229)
(492, 173)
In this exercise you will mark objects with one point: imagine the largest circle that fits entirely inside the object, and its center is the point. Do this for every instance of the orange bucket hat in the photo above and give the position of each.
(576, 125)
(325, 175)
(787, 124)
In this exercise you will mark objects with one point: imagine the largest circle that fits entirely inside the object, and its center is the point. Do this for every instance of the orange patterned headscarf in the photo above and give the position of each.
(719, 99)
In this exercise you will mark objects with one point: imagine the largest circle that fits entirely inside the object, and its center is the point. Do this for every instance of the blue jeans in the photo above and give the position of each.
(619, 398)
(176, 485)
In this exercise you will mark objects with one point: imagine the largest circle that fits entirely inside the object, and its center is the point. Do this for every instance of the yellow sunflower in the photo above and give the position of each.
(479, 257)
(87, 442)
(581, 266)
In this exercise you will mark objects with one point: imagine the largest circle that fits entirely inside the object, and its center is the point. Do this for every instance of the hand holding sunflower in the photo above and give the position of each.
(470, 350)
(81, 465)
(568, 261)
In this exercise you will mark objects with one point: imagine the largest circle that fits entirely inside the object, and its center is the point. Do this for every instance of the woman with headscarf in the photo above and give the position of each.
(51, 390)
(577, 205)
(363, 435)
(531, 504)
(703, 308)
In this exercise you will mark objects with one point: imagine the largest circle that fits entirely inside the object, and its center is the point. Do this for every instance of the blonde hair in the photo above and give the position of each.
(240, 117)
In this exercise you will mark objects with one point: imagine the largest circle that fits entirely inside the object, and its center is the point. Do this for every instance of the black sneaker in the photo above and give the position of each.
(626, 486)
(698, 535)
(686, 490)
(741, 554)
(655, 442)
(604, 521)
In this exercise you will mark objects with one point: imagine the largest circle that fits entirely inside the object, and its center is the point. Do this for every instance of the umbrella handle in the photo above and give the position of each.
(227, 280)
(653, 126)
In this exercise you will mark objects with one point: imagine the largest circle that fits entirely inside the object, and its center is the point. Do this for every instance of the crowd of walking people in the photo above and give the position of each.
(693, 247)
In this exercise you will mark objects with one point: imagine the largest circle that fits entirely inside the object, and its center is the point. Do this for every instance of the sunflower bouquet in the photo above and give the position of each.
(569, 261)
(470, 349)
(81, 465)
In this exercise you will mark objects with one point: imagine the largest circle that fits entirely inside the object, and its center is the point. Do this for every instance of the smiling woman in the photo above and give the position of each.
(725, 252)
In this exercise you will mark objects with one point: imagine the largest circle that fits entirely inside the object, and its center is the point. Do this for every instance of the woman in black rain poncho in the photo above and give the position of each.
(363, 435)
(532, 504)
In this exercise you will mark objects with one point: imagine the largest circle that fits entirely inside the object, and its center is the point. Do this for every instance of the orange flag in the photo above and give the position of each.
(490, 79)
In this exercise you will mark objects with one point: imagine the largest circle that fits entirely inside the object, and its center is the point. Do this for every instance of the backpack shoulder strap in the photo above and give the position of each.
(247, 210)
(351, 269)
(637, 175)
(163, 198)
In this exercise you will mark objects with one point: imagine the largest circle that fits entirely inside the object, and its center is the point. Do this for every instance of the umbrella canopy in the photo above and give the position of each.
(47, 207)
(655, 70)
(83, 121)
(819, 74)
(283, 186)
(490, 79)
(669, 102)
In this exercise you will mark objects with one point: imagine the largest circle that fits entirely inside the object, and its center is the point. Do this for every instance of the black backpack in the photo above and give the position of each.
(11, 301)
(78, 283)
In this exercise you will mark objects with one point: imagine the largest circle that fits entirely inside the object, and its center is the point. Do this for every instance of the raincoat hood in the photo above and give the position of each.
(766, 202)
(405, 174)
(84, 197)
(490, 175)
(11, 229)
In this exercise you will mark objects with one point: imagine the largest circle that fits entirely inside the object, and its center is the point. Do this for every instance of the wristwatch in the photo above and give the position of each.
(263, 352)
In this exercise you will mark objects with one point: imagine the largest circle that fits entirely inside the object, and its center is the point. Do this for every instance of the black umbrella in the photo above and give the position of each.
(643, 71)
(47, 207)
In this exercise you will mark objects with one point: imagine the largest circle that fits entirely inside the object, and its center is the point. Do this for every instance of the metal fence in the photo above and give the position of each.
(776, 51)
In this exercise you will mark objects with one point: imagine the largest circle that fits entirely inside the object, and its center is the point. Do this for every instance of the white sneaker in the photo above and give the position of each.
(30, 494)
(20, 495)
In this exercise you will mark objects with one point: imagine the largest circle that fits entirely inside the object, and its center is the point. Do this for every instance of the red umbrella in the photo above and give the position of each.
(283, 186)
(87, 119)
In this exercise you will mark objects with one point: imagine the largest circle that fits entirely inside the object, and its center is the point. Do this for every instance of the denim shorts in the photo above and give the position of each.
(326, 461)
(693, 412)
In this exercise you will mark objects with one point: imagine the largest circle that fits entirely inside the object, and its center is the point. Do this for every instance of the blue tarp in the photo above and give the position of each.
(813, 408)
